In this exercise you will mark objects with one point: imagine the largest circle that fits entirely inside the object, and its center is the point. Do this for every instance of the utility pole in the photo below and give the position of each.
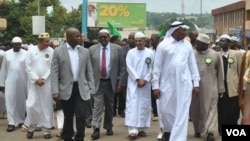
(201, 7)
(38, 7)
(182, 9)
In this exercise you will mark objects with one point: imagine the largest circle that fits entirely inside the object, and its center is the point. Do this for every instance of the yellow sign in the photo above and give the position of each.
(114, 10)
(119, 14)
(3, 24)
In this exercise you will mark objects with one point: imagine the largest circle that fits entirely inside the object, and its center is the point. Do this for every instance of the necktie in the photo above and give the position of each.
(104, 72)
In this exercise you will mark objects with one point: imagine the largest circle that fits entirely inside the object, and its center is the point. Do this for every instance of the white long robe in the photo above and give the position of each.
(138, 102)
(174, 69)
(39, 103)
(14, 78)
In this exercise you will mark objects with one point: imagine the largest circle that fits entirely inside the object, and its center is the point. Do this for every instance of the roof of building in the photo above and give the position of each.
(231, 7)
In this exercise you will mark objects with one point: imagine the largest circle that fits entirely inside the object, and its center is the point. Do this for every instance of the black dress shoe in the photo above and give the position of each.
(122, 114)
(210, 137)
(142, 134)
(110, 132)
(96, 134)
(29, 135)
(197, 135)
(166, 136)
(47, 136)
(10, 128)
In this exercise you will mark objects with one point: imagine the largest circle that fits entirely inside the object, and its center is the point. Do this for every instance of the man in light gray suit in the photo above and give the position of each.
(107, 66)
(72, 83)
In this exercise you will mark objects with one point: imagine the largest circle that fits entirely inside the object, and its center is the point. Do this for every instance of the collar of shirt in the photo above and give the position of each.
(225, 54)
(203, 52)
(69, 47)
(172, 40)
(107, 47)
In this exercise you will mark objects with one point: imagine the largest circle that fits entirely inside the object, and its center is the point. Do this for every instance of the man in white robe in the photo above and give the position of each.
(139, 62)
(39, 103)
(174, 70)
(13, 84)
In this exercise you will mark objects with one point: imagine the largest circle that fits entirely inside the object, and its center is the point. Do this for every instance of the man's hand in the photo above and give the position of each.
(40, 81)
(196, 91)
(141, 83)
(118, 89)
(156, 93)
(55, 96)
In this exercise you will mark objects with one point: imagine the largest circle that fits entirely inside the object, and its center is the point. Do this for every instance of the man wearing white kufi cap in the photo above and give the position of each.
(13, 82)
(234, 42)
(107, 64)
(203, 108)
(39, 102)
(228, 104)
(174, 71)
(139, 62)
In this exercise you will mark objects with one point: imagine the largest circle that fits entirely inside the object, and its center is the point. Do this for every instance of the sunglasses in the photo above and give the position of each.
(104, 37)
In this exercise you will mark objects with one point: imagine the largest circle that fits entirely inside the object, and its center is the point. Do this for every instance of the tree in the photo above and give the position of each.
(53, 25)
(164, 27)
(11, 11)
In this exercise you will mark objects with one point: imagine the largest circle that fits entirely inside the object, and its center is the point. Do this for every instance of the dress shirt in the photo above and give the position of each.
(74, 60)
(225, 54)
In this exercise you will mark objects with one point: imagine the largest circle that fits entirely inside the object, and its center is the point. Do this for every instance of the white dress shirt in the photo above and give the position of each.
(74, 60)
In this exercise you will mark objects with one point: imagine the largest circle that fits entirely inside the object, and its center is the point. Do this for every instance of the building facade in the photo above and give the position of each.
(230, 19)
(247, 23)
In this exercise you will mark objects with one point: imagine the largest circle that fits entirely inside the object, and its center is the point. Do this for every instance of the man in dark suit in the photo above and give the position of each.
(107, 66)
(124, 76)
(72, 82)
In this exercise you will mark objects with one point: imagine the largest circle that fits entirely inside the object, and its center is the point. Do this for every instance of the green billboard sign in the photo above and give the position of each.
(120, 14)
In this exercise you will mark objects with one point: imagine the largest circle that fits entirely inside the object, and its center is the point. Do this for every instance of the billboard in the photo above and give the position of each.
(118, 14)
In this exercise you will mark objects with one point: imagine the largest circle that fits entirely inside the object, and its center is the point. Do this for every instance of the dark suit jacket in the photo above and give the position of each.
(116, 64)
(62, 77)
(124, 76)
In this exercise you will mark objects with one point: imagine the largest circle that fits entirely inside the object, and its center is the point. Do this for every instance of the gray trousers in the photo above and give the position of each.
(103, 99)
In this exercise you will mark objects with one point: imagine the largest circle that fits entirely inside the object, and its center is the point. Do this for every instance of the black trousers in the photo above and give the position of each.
(153, 104)
(119, 103)
(78, 107)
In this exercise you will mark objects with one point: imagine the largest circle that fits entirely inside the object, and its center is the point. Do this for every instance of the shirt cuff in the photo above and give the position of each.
(196, 83)
(155, 86)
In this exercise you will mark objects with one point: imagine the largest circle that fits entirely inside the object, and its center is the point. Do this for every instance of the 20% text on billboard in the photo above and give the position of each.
(114, 10)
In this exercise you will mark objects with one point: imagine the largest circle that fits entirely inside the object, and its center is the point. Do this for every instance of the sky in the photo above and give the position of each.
(164, 6)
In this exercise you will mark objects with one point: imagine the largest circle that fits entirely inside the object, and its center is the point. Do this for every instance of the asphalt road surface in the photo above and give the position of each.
(120, 133)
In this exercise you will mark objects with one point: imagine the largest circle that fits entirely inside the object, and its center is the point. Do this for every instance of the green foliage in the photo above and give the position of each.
(161, 21)
(19, 19)
(11, 11)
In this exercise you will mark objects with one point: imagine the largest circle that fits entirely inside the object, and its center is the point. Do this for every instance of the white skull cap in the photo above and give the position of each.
(225, 36)
(16, 40)
(139, 35)
(104, 31)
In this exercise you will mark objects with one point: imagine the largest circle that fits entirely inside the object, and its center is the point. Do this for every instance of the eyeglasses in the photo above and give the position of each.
(104, 37)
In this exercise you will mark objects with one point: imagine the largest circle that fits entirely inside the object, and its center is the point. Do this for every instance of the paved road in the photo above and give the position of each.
(120, 133)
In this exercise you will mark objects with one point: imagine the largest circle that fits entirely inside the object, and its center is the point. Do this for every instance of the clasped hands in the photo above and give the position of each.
(40, 81)
(141, 83)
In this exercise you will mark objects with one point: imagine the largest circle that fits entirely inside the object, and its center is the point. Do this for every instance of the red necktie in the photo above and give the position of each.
(104, 72)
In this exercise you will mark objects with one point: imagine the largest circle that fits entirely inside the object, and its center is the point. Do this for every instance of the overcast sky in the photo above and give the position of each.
(190, 6)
